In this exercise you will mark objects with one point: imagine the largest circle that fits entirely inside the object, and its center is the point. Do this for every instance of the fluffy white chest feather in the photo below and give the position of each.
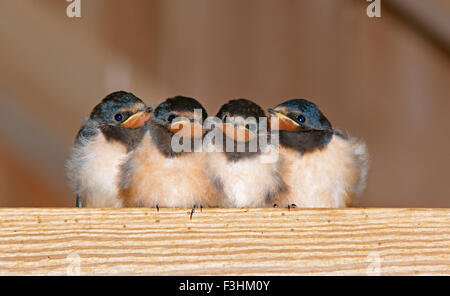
(156, 180)
(248, 182)
(94, 171)
(327, 178)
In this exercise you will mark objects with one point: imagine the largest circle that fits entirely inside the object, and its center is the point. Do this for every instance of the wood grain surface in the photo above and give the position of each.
(225, 242)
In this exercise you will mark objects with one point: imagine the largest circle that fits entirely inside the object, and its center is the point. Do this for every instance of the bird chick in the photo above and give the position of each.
(115, 127)
(321, 167)
(243, 168)
(160, 174)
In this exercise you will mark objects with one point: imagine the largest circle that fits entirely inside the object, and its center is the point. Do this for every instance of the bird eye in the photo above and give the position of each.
(171, 118)
(118, 117)
(301, 119)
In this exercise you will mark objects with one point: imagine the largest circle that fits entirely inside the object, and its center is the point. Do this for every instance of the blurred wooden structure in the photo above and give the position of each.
(384, 80)
(225, 242)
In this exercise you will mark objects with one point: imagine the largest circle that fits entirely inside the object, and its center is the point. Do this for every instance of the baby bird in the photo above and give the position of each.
(168, 167)
(114, 128)
(242, 167)
(321, 167)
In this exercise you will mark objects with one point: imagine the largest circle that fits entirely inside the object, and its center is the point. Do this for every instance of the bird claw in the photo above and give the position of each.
(79, 202)
(276, 206)
(193, 210)
(157, 208)
(291, 206)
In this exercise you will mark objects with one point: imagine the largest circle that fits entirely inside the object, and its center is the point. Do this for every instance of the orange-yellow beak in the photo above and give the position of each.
(187, 129)
(137, 120)
(238, 133)
(284, 123)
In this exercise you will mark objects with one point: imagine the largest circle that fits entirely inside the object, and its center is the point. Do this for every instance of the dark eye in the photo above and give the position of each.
(301, 119)
(118, 117)
(171, 118)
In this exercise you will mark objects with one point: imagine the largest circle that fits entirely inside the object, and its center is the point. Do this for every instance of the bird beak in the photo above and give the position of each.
(284, 123)
(138, 120)
(187, 128)
(238, 133)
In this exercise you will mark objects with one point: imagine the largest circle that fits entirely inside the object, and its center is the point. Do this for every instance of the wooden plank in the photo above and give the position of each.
(225, 241)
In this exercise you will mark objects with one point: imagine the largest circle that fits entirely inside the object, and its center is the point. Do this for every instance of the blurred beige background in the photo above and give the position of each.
(385, 80)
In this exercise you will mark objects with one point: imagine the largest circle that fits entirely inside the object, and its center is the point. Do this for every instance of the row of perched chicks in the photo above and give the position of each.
(124, 157)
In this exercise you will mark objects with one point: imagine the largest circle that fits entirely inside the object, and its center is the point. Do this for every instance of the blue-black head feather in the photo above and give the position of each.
(109, 110)
(313, 130)
(175, 106)
(313, 117)
(241, 107)
(165, 113)
(109, 114)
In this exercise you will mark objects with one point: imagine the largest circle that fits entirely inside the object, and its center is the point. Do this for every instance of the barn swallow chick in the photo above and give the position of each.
(160, 174)
(322, 167)
(113, 130)
(240, 171)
